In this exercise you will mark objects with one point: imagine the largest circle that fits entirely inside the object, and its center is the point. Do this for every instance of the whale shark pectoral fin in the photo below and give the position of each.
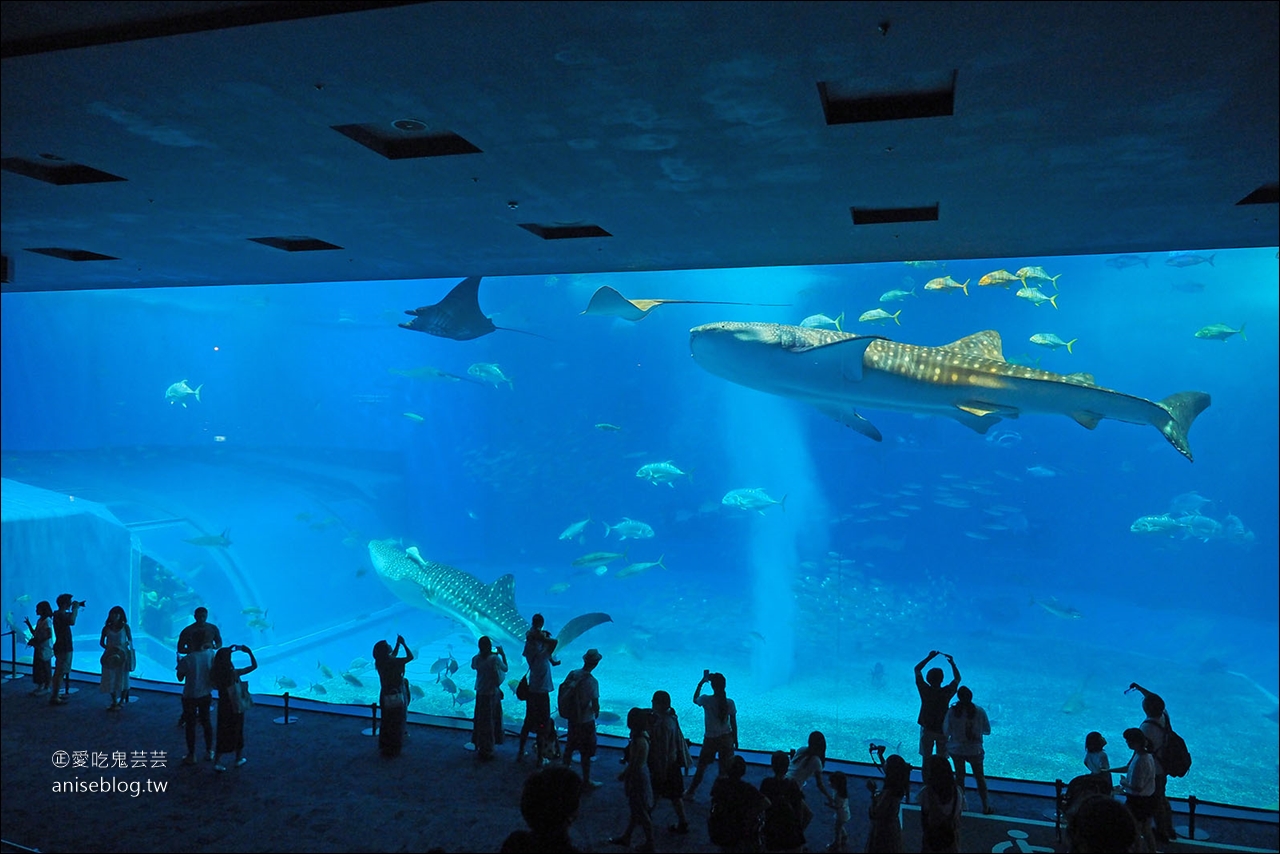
(1087, 420)
(982, 409)
(849, 417)
(979, 422)
(578, 625)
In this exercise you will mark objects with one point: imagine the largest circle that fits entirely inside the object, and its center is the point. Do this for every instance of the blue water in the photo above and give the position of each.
(937, 537)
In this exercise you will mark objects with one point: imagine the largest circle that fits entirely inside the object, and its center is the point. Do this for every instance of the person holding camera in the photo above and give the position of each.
(1155, 726)
(393, 694)
(720, 728)
(935, 698)
(886, 825)
(225, 676)
(490, 666)
(63, 619)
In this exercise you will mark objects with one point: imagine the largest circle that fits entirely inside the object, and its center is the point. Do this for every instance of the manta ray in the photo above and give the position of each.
(606, 302)
(486, 609)
(967, 380)
(457, 316)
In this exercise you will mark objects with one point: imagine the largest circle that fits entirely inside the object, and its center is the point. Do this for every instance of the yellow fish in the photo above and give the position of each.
(413, 416)
(1025, 273)
(946, 283)
(1000, 278)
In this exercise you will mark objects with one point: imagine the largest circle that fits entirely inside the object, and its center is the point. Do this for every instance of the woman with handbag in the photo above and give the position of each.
(116, 641)
(42, 649)
(233, 701)
(393, 696)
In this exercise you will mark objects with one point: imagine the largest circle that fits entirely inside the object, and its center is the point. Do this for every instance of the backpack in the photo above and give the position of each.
(1174, 756)
(567, 705)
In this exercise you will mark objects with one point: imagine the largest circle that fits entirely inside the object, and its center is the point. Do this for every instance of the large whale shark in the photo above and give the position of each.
(967, 380)
(486, 609)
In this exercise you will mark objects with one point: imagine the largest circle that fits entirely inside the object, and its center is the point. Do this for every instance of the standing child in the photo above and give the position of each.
(636, 782)
(1095, 758)
(839, 803)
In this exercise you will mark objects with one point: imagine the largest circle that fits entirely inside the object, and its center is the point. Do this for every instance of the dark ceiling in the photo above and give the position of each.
(692, 134)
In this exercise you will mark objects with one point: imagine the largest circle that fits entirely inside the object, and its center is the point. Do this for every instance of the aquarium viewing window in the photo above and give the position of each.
(806, 512)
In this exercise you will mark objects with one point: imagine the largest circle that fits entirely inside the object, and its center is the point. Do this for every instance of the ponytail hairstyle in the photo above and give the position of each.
(717, 689)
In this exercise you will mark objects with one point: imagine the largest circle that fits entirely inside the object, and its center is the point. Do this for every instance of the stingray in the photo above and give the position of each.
(607, 302)
(457, 316)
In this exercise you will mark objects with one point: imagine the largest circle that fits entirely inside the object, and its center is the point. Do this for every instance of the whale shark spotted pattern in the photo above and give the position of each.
(967, 380)
(486, 609)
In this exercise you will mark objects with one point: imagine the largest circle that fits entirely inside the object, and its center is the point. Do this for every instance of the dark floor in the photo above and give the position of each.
(320, 785)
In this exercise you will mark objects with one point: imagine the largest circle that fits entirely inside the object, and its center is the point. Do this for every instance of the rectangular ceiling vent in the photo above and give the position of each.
(866, 100)
(881, 216)
(295, 244)
(406, 138)
(54, 170)
(564, 232)
(1267, 194)
(73, 254)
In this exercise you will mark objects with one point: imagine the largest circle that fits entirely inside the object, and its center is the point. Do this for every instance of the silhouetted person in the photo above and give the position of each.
(668, 754)
(965, 725)
(194, 636)
(636, 783)
(393, 693)
(737, 810)
(582, 722)
(783, 828)
(1156, 728)
(1101, 825)
(549, 803)
(941, 802)
(539, 653)
(1095, 758)
(63, 647)
(934, 699)
(808, 762)
(197, 697)
(42, 649)
(1139, 785)
(885, 834)
(225, 676)
(486, 723)
(720, 728)
(840, 809)
(116, 641)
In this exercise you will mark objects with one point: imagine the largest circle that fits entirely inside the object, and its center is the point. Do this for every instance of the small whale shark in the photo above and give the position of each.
(485, 609)
(967, 380)
(216, 540)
